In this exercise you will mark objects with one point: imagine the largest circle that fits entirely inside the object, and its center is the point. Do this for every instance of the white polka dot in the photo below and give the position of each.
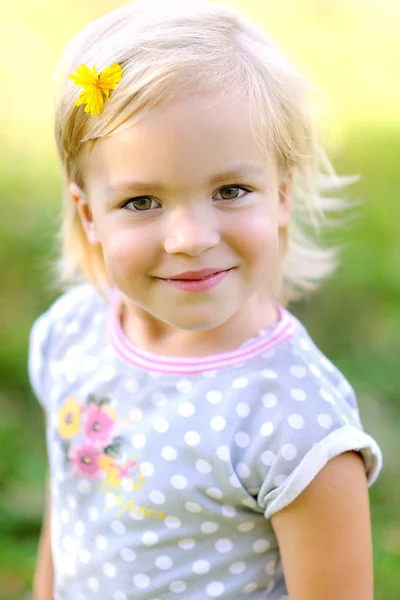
(223, 453)
(213, 397)
(326, 396)
(218, 423)
(246, 526)
(228, 511)
(280, 480)
(184, 386)
(297, 371)
(161, 425)
(67, 543)
(172, 522)
(72, 501)
(88, 364)
(235, 481)
(187, 543)
(111, 500)
(266, 429)
(141, 580)
(269, 374)
(64, 516)
(325, 420)
(261, 545)
(193, 507)
(157, 497)
(127, 484)
(250, 502)
(93, 513)
(128, 555)
(201, 566)
(186, 409)
(93, 584)
(179, 482)
(132, 386)
(269, 400)
(250, 587)
(268, 458)
(135, 414)
(118, 595)
(84, 486)
(314, 370)
(243, 470)
(149, 538)
(270, 567)
(192, 438)
(92, 338)
(168, 453)
(240, 382)
(158, 399)
(242, 439)
(289, 451)
(109, 569)
(213, 492)
(101, 542)
(163, 562)
(224, 545)
(138, 440)
(178, 586)
(242, 409)
(296, 421)
(209, 527)
(146, 469)
(107, 373)
(84, 556)
(237, 568)
(118, 527)
(215, 589)
(298, 394)
(203, 466)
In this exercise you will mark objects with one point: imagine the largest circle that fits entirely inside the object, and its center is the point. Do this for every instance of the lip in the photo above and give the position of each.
(198, 285)
(194, 275)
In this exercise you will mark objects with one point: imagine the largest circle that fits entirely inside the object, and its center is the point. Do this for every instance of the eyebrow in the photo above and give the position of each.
(239, 171)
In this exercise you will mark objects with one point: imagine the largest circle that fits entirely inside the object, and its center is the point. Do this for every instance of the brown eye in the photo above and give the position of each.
(229, 191)
(142, 203)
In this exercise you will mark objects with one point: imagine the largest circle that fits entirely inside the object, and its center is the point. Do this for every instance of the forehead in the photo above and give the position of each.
(181, 143)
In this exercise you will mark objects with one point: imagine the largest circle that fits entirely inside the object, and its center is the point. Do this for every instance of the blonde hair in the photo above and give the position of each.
(202, 46)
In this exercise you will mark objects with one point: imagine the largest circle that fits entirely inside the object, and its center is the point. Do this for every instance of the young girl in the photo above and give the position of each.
(200, 444)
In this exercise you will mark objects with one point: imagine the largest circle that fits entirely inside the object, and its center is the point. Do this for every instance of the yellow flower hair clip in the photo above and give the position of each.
(96, 87)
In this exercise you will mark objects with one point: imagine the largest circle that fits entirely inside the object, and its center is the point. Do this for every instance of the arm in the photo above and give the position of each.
(324, 535)
(44, 574)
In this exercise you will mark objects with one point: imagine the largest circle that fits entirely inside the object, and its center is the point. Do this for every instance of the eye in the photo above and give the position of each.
(141, 200)
(233, 188)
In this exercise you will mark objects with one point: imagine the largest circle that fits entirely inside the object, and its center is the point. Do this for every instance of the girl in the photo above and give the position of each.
(200, 444)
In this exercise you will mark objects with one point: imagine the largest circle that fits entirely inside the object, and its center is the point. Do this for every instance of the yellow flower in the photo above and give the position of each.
(96, 87)
(69, 418)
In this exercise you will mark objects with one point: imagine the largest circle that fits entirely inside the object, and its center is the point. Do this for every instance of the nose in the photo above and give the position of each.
(192, 230)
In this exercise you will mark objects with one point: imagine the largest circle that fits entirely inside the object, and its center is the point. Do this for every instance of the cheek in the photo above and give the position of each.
(125, 250)
(255, 236)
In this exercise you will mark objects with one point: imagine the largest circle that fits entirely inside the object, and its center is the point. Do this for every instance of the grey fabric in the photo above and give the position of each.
(163, 484)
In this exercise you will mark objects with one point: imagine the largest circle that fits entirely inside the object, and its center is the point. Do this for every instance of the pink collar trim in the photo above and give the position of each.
(280, 332)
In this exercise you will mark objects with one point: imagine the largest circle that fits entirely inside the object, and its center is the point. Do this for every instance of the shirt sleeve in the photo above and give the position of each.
(295, 431)
(39, 341)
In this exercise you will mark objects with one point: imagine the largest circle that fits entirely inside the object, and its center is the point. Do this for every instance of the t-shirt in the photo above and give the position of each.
(165, 471)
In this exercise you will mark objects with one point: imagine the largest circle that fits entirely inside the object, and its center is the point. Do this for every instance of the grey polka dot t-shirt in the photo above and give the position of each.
(165, 471)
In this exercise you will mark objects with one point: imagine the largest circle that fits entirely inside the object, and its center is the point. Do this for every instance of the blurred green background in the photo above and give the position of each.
(351, 50)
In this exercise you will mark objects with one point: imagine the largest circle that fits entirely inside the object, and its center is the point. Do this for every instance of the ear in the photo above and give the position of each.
(85, 213)
(285, 199)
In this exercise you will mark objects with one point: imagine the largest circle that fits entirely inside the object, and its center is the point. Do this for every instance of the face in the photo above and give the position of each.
(160, 200)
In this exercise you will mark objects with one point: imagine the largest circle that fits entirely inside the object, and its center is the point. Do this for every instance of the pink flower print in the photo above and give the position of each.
(99, 425)
(84, 459)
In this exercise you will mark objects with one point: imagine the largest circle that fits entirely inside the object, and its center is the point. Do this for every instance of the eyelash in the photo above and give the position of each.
(229, 187)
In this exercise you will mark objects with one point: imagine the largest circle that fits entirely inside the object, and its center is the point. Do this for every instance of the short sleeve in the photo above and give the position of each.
(296, 430)
(39, 341)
